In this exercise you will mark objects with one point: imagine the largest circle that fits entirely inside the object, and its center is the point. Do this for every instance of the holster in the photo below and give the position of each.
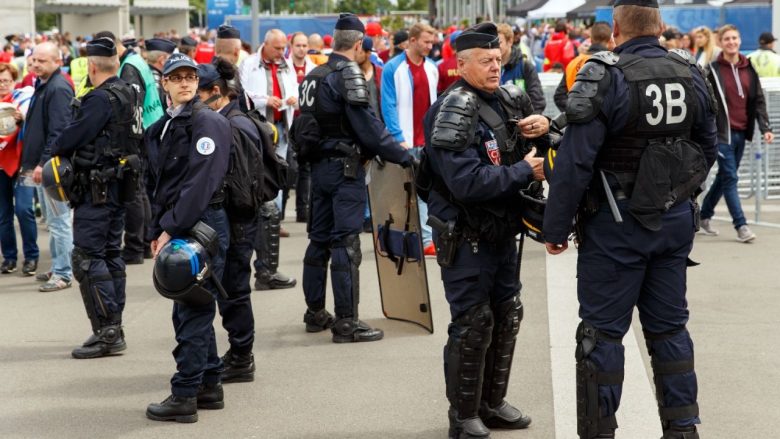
(98, 186)
(447, 243)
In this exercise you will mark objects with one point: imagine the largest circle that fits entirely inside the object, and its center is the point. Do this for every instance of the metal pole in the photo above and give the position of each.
(255, 25)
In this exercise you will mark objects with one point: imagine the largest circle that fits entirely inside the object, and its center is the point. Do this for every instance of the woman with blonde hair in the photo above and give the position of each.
(704, 45)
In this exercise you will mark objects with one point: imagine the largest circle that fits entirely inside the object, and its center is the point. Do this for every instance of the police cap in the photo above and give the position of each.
(645, 3)
(348, 21)
(481, 36)
(101, 47)
(161, 45)
(178, 60)
(228, 32)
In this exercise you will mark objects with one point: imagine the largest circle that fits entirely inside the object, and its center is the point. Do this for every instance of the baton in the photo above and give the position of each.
(611, 199)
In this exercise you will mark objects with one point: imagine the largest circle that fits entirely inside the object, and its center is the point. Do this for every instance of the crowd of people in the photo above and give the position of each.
(152, 130)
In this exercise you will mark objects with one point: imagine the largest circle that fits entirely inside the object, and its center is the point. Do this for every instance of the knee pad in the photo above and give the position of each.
(666, 367)
(80, 261)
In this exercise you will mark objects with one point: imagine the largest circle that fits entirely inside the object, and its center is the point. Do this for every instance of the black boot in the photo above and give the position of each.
(211, 397)
(348, 330)
(107, 340)
(239, 368)
(318, 321)
(174, 408)
(265, 280)
(466, 428)
(674, 432)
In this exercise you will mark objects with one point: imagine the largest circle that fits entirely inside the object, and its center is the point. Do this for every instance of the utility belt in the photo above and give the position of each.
(96, 179)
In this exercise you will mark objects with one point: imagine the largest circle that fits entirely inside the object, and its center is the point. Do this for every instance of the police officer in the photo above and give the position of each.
(476, 167)
(635, 232)
(103, 139)
(335, 108)
(157, 52)
(188, 151)
(237, 317)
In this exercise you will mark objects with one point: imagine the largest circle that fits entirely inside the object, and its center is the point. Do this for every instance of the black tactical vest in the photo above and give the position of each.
(663, 106)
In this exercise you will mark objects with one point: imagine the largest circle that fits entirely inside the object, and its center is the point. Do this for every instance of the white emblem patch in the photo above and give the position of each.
(205, 146)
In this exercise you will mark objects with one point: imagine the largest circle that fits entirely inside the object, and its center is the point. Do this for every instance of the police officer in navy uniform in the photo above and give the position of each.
(101, 138)
(188, 150)
(635, 217)
(336, 115)
(214, 89)
(475, 165)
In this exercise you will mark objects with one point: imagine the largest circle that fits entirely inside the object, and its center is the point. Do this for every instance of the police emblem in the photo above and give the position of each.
(205, 146)
(493, 153)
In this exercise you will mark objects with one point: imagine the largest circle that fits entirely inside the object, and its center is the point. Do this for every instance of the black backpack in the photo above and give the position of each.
(274, 167)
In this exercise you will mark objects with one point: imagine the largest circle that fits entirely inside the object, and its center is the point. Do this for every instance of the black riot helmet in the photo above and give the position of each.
(534, 204)
(57, 177)
(181, 269)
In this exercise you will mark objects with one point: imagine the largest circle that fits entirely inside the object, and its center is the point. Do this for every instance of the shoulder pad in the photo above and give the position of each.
(682, 55)
(514, 99)
(454, 125)
(587, 93)
(354, 83)
(605, 57)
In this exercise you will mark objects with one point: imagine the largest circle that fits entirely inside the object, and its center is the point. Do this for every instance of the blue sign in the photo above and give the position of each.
(217, 10)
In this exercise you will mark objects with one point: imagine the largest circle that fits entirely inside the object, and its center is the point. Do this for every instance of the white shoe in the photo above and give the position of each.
(744, 234)
(706, 229)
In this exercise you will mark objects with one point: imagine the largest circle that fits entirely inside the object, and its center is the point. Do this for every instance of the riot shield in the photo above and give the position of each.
(400, 261)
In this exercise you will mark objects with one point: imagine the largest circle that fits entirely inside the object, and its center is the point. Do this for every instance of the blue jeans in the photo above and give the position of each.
(60, 235)
(15, 198)
(281, 151)
(725, 184)
(422, 208)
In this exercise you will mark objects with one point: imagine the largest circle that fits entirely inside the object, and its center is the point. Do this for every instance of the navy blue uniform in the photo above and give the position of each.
(97, 228)
(338, 202)
(625, 265)
(188, 158)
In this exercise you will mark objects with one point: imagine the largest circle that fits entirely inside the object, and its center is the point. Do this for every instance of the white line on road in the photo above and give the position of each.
(637, 416)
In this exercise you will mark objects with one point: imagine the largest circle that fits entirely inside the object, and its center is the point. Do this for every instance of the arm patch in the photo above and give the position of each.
(456, 121)
(354, 83)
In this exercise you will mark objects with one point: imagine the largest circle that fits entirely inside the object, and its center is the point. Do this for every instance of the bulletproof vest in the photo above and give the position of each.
(663, 105)
(332, 125)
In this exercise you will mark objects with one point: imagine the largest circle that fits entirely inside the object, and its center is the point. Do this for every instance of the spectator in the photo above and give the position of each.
(740, 103)
(600, 40)
(48, 115)
(16, 192)
(704, 44)
(315, 50)
(765, 60)
(559, 48)
(519, 71)
(448, 68)
(409, 84)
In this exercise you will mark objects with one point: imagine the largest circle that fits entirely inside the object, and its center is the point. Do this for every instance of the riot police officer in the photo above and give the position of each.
(337, 131)
(640, 140)
(188, 150)
(103, 139)
(475, 165)
(237, 318)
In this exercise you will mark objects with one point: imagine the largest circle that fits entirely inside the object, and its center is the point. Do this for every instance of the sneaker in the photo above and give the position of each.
(705, 228)
(744, 234)
(43, 277)
(56, 283)
(430, 250)
(29, 268)
(8, 267)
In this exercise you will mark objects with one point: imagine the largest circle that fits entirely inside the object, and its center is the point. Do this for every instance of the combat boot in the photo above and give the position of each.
(317, 321)
(504, 416)
(674, 432)
(107, 340)
(265, 280)
(466, 428)
(349, 330)
(239, 368)
(211, 396)
(174, 408)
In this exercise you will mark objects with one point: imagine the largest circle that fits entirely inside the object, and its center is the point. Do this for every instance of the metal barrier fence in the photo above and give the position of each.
(759, 172)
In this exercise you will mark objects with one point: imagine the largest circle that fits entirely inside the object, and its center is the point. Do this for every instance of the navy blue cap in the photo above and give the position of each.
(208, 74)
(176, 61)
(228, 32)
(368, 44)
(645, 3)
(348, 21)
(101, 47)
(480, 36)
(160, 44)
(188, 41)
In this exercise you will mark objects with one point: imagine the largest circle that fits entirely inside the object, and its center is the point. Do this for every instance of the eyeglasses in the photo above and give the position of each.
(177, 78)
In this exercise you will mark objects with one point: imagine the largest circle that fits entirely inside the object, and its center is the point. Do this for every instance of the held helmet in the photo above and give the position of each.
(7, 121)
(181, 269)
(58, 177)
(534, 204)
